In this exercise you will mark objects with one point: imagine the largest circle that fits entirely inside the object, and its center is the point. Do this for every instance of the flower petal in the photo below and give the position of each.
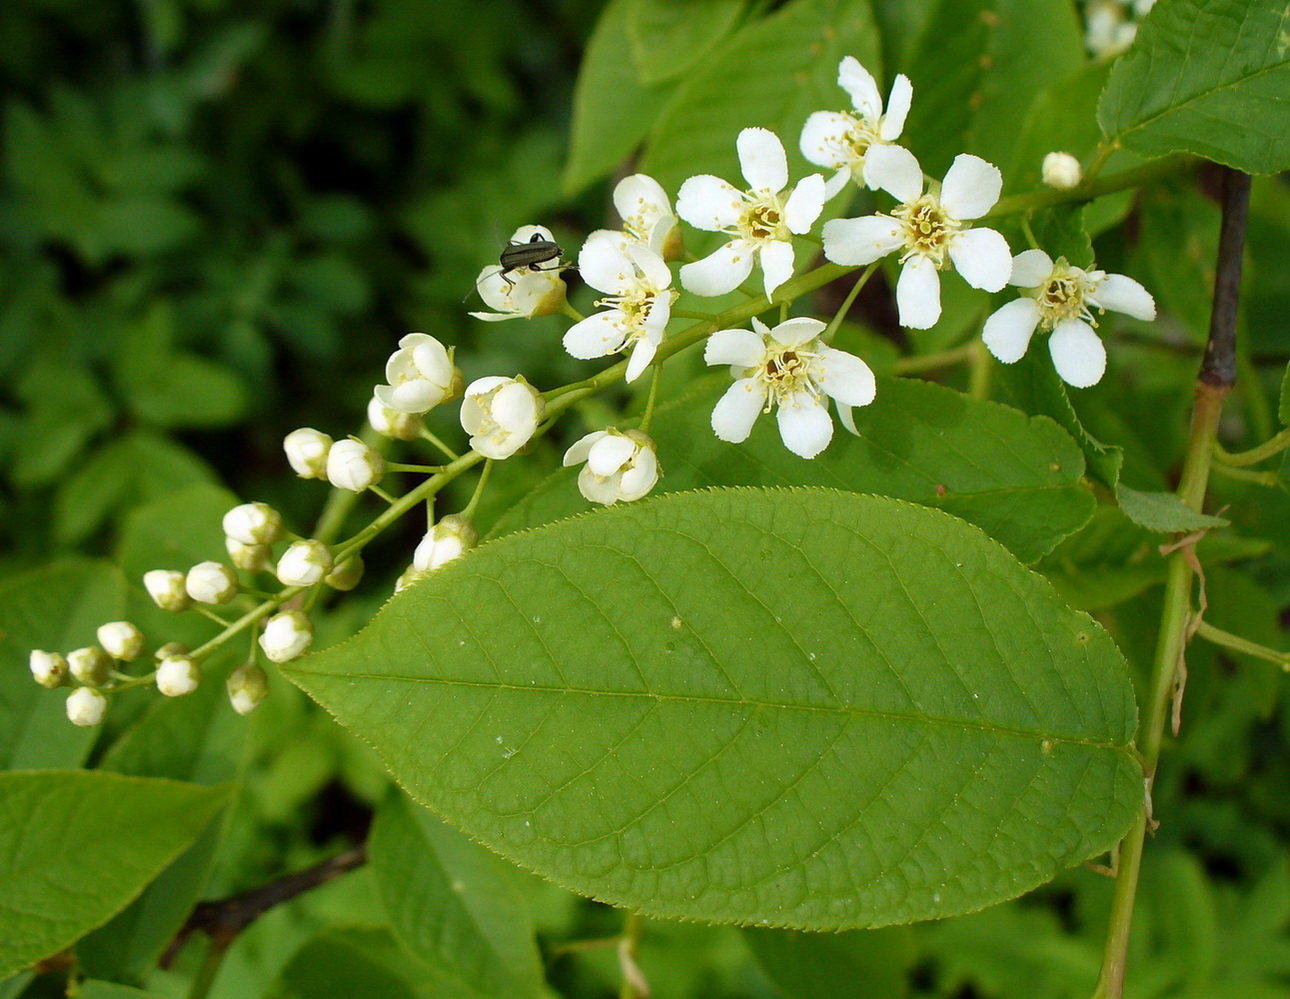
(902, 95)
(721, 271)
(526, 233)
(742, 348)
(1123, 294)
(657, 314)
(918, 294)
(1078, 353)
(642, 354)
(804, 205)
(640, 200)
(640, 478)
(580, 448)
(494, 289)
(846, 378)
(1008, 331)
(971, 187)
(651, 266)
(604, 264)
(708, 202)
(823, 139)
(795, 332)
(736, 411)
(514, 407)
(895, 169)
(862, 240)
(804, 425)
(1031, 268)
(836, 184)
(610, 453)
(982, 257)
(862, 88)
(596, 336)
(776, 264)
(762, 159)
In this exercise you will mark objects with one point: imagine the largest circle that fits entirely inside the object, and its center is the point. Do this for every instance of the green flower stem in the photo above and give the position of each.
(648, 415)
(1168, 166)
(398, 466)
(130, 683)
(245, 621)
(847, 302)
(690, 314)
(378, 491)
(1254, 455)
(1100, 156)
(571, 312)
(205, 611)
(980, 368)
(426, 435)
(634, 985)
(1238, 644)
(1270, 479)
(469, 511)
(930, 362)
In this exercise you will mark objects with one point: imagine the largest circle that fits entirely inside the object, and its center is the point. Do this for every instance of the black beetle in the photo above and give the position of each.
(518, 256)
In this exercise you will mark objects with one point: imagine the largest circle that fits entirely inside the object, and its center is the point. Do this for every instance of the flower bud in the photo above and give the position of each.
(247, 687)
(354, 466)
(211, 583)
(249, 558)
(501, 415)
(1062, 171)
(346, 575)
(391, 423)
(86, 707)
(178, 675)
(620, 465)
(167, 589)
(420, 374)
(306, 450)
(410, 575)
(49, 668)
(90, 665)
(172, 649)
(121, 640)
(304, 563)
(253, 524)
(286, 636)
(446, 541)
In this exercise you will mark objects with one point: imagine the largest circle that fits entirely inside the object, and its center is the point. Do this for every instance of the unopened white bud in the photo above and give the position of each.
(86, 707)
(178, 675)
(249, 558)
(211, 583)
(346, 575)
(172, 649)
(354, 466)
(121, 640)
(253, 524)
(620, 465)
(167, 589)
(501, 415)
(446, 541)
(1062, 171)
(420, 375)
(306, 450)
(90, 665)
(49, 668)
(304, 563)
(286, 636)
(392, 423)
(247, 687)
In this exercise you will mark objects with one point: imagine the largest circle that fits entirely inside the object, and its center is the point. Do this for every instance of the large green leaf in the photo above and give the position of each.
(1015, 477)
(829, 965)
(800, 708)
(668, 37)
(1210, 77)
(451, 905)
(77, 846)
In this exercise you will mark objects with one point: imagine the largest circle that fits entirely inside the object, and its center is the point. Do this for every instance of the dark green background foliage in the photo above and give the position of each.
(218, 216)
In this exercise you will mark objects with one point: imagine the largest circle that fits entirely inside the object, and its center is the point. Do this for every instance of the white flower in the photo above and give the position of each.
(345, 575)
(247, 687)
(928, 228)
(647, 215)
(286, 636)
(251, 558)
(121, 640)
(762, 220)
(253, 524)
(842, 141)
(620, 465)
(500, 414)
(421, 375)
(354, 466)
(211, 583)
(89, 665)
(166, 587)
(86, 707)
(1061, 171)
(1108, 28)
(789, 367)
(178, 675)
(1058, 299)
(525, 292)
(639, 301)
(448, 539)
(48, 668)
(306, 450)
(391, 423)
(304, 563)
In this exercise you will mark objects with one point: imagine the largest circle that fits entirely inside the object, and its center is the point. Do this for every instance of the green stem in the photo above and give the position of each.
(980, 368)
(930, 362)
(397, 466)
(1269, 479)
(648, 415)
(571, 312)
(1254, 455)
(426, 435)
(1168, 166)
(1238, 644)
(634, 985)
(849, 301)
(378, 491)
(479, 490)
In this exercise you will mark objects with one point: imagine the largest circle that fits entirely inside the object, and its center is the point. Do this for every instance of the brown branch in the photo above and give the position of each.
(1219, 366)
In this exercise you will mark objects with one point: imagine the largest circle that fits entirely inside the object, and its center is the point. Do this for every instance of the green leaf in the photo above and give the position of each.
(1015, 477)
(77, 846)
(668, 37)
(56, 609)
(1060, 232)
(1163, 512)
(175, 531)
(773, 73)
(355, 961)
(1210, 77)
(798, 708)
(450, 902)
(829, 965)
(97, 989)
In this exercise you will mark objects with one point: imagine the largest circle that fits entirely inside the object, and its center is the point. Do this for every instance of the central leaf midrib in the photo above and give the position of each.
(855, 712)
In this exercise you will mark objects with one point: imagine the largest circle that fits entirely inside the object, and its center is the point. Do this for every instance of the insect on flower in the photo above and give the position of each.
(529, 255)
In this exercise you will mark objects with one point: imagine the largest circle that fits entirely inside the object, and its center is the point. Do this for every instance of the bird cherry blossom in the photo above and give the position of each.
(841, 141)
(788, 367)
(639, 299)
(1058, 297)
(647, 215)
(420, 374)
(761, 220)
(501, 415)
(929, 228)
(523, 293)
(620, 465)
